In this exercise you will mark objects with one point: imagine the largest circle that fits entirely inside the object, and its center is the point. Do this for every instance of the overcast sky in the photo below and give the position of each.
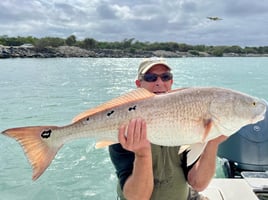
(244, 22)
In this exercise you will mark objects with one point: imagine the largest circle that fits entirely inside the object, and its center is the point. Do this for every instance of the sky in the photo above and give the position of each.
(244, 22)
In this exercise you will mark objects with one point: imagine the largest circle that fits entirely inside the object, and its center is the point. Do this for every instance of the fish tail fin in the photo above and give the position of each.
(33, 140)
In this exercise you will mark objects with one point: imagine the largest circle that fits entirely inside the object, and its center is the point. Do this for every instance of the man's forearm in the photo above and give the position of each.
(140, 184)
(204, 169)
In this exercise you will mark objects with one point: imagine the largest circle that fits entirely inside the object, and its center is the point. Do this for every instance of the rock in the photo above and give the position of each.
(71, 51)
(166, 54)
(28, 51)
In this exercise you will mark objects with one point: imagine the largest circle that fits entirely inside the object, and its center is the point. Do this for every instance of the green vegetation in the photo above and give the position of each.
(130, 45)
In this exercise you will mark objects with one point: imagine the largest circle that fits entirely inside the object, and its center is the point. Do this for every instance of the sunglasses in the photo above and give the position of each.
(150, 77)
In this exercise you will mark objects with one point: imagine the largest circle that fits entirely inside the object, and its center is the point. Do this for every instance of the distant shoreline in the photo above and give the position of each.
(72, 51)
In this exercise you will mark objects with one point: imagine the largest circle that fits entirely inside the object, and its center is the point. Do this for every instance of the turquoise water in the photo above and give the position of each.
(53, 91)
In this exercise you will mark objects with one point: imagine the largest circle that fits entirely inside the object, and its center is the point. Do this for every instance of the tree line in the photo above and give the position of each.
(130, 45)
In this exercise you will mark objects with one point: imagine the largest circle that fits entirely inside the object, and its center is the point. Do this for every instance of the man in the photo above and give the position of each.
(148, 171)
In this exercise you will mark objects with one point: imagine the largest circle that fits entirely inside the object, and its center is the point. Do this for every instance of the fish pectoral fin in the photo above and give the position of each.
(33, 141)
(183, 148)
(103, 144)
(208, 123)
(195, 150)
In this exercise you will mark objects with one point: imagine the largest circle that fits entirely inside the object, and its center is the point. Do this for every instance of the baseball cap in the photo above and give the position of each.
(148, 63)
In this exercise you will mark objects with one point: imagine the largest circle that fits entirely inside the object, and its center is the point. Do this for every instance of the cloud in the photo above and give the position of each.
(183, 21)
(245, 8)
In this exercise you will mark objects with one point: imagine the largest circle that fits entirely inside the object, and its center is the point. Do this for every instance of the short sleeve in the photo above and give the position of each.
(186, 168)
(123, 162)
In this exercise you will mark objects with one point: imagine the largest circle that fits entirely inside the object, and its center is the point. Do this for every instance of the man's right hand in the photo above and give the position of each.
(133, 137)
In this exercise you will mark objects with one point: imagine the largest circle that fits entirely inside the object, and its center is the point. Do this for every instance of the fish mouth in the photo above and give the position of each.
(258, 118)
(164, 92)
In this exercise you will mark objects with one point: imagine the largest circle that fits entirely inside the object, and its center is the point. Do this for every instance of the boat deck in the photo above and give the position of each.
(229, 189)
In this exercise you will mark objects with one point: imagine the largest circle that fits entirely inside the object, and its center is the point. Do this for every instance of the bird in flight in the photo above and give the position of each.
(214, 18)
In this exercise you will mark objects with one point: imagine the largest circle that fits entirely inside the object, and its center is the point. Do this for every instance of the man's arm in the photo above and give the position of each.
(139, 184)
(204, 169)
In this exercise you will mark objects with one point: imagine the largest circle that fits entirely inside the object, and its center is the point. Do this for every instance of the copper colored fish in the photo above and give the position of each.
(181, 117)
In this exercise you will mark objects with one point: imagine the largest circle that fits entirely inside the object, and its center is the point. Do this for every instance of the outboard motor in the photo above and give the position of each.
(246, 150)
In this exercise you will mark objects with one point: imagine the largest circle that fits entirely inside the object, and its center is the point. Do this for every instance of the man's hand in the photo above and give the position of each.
(133, 137)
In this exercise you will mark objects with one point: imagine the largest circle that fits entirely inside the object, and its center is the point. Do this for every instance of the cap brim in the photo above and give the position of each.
(147, 68)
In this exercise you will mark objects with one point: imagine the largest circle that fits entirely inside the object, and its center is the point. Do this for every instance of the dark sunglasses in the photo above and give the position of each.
(150, 77)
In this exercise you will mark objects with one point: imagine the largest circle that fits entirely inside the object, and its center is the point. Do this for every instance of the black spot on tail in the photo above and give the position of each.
(46, 134)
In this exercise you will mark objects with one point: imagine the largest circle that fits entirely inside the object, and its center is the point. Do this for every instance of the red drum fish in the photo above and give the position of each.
(181, 117)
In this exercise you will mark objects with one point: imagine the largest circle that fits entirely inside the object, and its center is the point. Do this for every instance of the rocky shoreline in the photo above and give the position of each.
(72, 51)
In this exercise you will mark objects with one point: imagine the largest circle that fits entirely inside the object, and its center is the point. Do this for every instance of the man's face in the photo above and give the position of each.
(158, 86)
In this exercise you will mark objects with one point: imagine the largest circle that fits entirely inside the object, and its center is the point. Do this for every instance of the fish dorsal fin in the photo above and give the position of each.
(135, 95)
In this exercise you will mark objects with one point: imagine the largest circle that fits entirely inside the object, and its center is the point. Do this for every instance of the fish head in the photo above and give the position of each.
(251, 109)
(234, 110)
